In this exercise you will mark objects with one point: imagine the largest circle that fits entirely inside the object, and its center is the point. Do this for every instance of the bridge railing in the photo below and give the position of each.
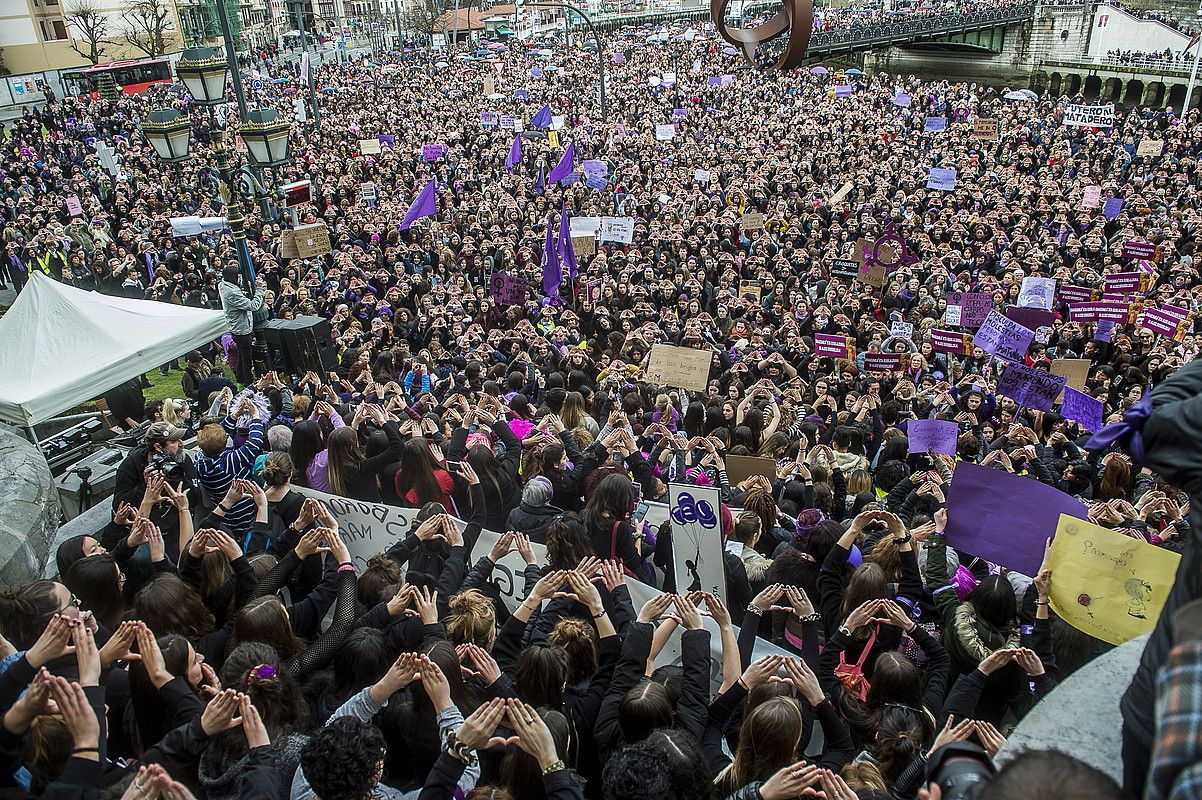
(905, 28)
(1143, 66)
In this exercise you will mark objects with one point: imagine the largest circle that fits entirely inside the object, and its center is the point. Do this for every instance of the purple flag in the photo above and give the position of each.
(149, 265)
(552, 272)
(1004, 518)
(1082, 409)
(426, 205)
(540, 183)
(567, 255)
(515, 153)
(542, 119)
(565, 165)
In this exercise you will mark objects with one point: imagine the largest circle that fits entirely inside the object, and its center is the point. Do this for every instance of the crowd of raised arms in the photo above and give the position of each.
(224, 638)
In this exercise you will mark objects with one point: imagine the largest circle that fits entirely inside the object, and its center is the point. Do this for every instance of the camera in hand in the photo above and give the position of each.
(172, 470)
(961, 769)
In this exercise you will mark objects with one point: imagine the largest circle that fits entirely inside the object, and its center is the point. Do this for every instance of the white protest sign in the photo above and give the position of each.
(665, 133)
(843, 192)
(617, 229)
(1082, 116)
(371, 528)
(584, 226)
(697, 538)
(701, 176)
(952, 315)
(1037, 293)
(903, 330)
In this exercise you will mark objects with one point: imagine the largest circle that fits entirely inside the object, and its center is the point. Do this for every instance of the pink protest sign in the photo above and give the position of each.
(830, 346)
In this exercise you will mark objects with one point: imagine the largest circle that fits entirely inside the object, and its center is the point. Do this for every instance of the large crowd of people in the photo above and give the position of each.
(224, 637)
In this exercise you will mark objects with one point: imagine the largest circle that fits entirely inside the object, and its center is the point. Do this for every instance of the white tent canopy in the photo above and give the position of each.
(67, 346)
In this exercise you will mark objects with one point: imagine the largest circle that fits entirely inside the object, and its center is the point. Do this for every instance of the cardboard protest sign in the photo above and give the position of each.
(972, 308)
(369, 147)
(752, 288)
(1037, 292)
(508, 289)
(1033, 318)
(288, 244)
(1150, 148)
(943, 180)
(830, 346)
(884, 362)
(843, 192)
(752, 221)
(934, 124)
(932, 436)
(1004, 518)
(1003, 337)
(312, 240)
(1108, 585)
(1074, 370)
(679, 367)
(1030, 388)
(1083, 116)
(1082, 409)
(985, 128)
(1091, 197)
(584, 246)
(950, 342)
(371, 528)
(697, 538)
(740, 468)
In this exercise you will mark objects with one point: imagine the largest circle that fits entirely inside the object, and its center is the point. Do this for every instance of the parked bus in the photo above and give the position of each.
(130, 77)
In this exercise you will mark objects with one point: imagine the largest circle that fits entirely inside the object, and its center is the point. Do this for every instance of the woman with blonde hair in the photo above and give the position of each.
(179, 414)
(472, 619)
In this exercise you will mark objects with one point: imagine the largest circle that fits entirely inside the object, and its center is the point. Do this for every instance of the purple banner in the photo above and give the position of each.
(932, 436)
(1127, 283)
(1112, 208)
(1033, 318)
(830, 346)
(1004, 518)
(1082, 409)
(433, 152)
(508, 289)
(950, 342)
(1003, 337)
(883, 362)
(1076, 294)
(1104, 331)
(1133, 248)
(1164, 324)
(1031, 388)
(934, 124)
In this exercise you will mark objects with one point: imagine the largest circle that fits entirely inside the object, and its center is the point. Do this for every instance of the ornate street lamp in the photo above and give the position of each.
(168, 132)
(267, 138)
(204, 73)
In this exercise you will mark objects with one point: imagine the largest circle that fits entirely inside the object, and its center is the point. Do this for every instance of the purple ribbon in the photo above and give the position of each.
(1127, 434)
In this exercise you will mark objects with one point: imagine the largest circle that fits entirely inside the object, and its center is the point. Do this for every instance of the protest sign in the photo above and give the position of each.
(553, 139)
(508, 289)
(186, 226)
(842, 90)
(904, 330)
(371, 528)
(843, 192)
(870, 272)
(1174, 311)
(1108, 585)
(368, 192)
(985, 128)
(740, 468)
(934, 124)
(943, 180)
(1150, 148)
(288, 244)
(1134, 248)
(1037, 292)
(584, 226)
(752, 221)
(506, 122)
(1003, 337)
(617, 229)
(1112, 208)
(1077, 294)
(902, 100)
(1004, 518)
(490, 85)
(584, 246)
(1033, 318)
(369, 147)
(1091, 197)
(679, 367)
(1164, 324)
(387, 140)
(665, 133)
(489, 119)
(701, 176)
(950, 342)
(1104, 331)
(932, 436)
(1030, 388)
(1083, 116)
(1074, 370)
(972, 308)
(751, 288)
(1082, 409)
(74, 207)
(1121, 283)
(312, 240)
(592, 291)
(845, 266)
(1043, 334)
(697, 538)
(679, 114)
(884, 362)
(830, 346)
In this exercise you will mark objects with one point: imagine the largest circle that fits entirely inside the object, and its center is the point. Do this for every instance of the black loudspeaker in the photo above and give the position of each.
(296, 346)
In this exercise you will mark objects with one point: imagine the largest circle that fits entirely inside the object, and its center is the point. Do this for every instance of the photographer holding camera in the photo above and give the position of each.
(162, 454)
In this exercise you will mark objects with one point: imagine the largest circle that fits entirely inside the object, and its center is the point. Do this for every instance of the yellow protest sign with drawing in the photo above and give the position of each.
(1106, 584)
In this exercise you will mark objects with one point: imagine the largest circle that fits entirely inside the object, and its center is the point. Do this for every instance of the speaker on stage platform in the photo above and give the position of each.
(296, 346)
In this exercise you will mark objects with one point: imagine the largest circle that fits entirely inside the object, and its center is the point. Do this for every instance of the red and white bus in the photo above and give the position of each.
(130, 77)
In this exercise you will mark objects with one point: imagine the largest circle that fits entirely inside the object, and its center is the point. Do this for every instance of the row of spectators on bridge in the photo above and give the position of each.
(1166, 57)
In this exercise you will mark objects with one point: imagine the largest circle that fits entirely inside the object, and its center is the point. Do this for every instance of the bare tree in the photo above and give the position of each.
(421, 16)
(149, 25)
(92, 25)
